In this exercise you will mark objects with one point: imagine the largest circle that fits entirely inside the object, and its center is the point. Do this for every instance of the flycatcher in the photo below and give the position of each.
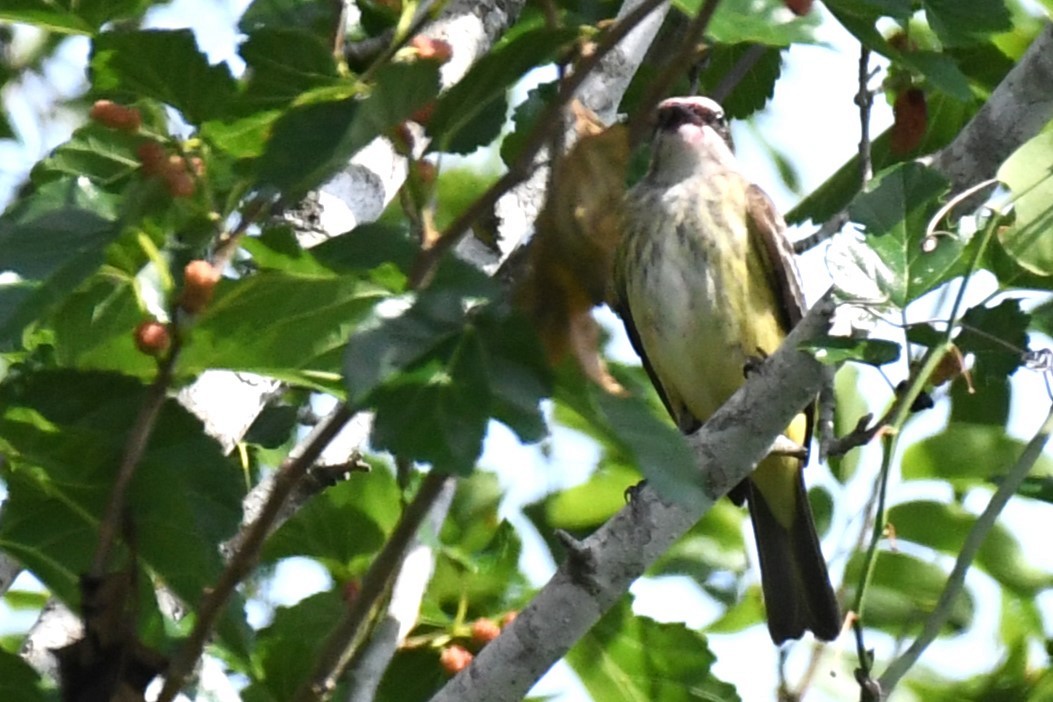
(705, 281)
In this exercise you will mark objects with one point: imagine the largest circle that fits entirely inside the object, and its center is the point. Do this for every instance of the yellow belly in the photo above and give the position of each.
(703, 306)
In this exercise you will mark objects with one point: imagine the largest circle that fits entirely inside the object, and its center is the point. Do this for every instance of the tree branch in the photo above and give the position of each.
(727, 447)
(1017, 110)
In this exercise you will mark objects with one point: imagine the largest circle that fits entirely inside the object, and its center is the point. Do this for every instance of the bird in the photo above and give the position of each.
(705, 281)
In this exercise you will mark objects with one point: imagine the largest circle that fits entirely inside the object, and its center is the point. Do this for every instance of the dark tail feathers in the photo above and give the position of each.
(797, 591)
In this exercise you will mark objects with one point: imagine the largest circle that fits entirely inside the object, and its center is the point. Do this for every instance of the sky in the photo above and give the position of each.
(813, 121)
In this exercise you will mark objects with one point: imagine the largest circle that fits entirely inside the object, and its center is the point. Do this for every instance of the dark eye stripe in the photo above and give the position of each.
(671, 116)
(707, 116)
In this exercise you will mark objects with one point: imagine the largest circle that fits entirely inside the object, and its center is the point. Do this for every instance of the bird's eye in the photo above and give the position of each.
(719, 119)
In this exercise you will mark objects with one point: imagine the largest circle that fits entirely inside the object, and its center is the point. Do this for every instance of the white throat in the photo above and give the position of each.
(689, 150)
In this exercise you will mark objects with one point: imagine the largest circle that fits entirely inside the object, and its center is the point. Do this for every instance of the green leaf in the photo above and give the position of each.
(517, 373)
(6, 130)
(944, 527)
(627, 657)
(997, 337)
(165, 65)
(981, 402)
(63, 436)
(1029, 175)
(291, 327)
(20, 683)
(925, 334)
(71, 16)
(965, 454)
(241, 138)
(478, 566)
(834, 350)
(414, 675)
(895, 211)
(335, 528)
(277, 249)
(746, 611)
(456, 189)
(851, 406)
(753, 90)
(714, 546)
(378, 247)
(941, 71)
(310, 142)
(104, 156)
(985, 64)
(289, 646)
(629, 427)
(1010, 273)
(318, 18)
(282, 63)
(872, 9)
(437, 412)
(472, 112)
(437, 373)
(748, 22)
(822, 505)
(592, 503)
(962, 22)
(903, 592)
(53, 240)
(1037, 488)
(524, 117)
(392, 342)
(94, 328)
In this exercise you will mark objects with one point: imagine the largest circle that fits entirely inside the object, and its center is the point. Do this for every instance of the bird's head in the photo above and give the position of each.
(691, 138)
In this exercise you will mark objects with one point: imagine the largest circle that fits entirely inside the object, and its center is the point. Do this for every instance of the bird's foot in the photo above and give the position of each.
(754, 363)
(633, 491)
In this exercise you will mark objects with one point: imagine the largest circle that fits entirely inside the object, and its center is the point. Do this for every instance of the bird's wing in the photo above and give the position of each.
(767, 231)
(768, 235)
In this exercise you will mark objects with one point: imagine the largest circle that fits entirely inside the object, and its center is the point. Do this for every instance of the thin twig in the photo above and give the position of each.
(338, 37)
(877, 533)
(825, 231)
(138, 438)
(230, 241)
(864, 100)
(339, 647)
(244, 558)
(861, 435)
(956, 581)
